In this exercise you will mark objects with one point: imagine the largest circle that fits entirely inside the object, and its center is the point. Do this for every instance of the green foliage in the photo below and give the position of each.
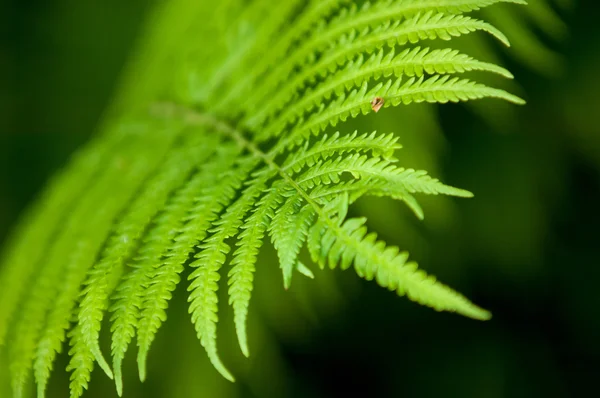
(183, 171)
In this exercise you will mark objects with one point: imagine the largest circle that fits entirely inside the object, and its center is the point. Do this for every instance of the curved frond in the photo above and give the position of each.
(174, 174)
(241, 275)
(350, 244)
(233, 146)
(203, 288)
(88, 225)
(382, 145)
(429, 26)
(192, 229)
(289, 229)
(81, 364)
(415, 62)
(433, 90)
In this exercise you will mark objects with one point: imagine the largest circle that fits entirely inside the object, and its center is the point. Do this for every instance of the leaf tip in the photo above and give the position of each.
(41, 390)
(102, 363)
(141, 360)
(118, 377)
(243, 340)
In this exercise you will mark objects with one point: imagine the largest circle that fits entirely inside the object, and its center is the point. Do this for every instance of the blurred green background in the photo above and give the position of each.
(527, 247)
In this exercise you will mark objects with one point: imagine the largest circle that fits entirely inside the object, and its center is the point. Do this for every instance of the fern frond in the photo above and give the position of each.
(105, 275)
(243, 263)
(88, 225)
(304, 270)
(192, 229)
(124, 319)
(378, 176)
(429, 26)
(174, 173)
(433, 90)
(161, 279)
(415, 62)
(226, 227)
(203, 288)
(289, 229)
(81, 363)
(350, 244)
(360, 166)
(382, 145)
(351, 20)
(355, 189)
(229, 154)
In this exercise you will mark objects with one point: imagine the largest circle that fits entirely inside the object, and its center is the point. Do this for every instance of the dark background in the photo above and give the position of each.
(527, 247)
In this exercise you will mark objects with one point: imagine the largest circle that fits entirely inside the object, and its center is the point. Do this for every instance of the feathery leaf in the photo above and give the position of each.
(232, 148)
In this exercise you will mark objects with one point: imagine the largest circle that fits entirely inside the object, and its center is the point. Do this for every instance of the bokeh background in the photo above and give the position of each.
(527, 247)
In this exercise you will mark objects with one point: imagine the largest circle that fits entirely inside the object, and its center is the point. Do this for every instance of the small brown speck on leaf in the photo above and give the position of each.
(377, 103)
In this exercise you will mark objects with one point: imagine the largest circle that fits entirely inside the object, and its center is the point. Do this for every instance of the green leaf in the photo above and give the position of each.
(220, 135)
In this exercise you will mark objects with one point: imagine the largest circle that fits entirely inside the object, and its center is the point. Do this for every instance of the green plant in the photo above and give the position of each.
(228, 138)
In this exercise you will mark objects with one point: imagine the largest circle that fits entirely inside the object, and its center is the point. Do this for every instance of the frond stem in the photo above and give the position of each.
(194, 117)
